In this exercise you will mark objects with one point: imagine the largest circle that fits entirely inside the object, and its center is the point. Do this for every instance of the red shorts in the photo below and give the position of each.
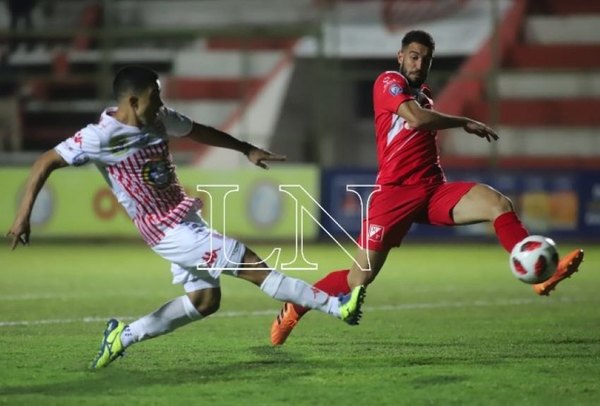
(395, 208)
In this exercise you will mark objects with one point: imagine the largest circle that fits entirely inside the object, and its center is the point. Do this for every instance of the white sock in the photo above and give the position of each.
(174, 314)
(287, 289)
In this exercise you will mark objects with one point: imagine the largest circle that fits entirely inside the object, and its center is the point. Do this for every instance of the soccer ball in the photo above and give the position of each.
(534, 259)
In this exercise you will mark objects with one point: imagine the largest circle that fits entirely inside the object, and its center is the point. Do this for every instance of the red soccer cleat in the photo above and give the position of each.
(567, 266)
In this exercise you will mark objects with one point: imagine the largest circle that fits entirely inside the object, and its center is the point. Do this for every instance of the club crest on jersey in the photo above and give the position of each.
(376, 232)
(157, 173)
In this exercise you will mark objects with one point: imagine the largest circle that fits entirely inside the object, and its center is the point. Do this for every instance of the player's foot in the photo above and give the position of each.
(350, 305)
(111, 347)
(283, 324)
(567, 266)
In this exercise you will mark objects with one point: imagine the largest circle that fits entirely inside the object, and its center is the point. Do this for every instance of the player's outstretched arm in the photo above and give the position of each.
(43, 166)
(429, 120)
(211, 136)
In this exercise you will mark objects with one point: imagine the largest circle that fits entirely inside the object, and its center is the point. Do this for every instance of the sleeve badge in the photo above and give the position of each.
(395, 89)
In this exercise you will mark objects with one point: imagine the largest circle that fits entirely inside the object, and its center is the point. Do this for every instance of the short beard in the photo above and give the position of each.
(411, 83)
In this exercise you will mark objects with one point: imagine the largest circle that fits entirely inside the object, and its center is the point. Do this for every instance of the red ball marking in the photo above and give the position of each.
(540, 266)
(519, 268)
(530, 246)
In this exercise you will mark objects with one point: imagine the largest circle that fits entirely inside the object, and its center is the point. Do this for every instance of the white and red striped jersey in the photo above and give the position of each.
(138, 167)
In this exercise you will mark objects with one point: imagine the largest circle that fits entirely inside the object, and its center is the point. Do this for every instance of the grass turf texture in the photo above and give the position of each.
(443, 324)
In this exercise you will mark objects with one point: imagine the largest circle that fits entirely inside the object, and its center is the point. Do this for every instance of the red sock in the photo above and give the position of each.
(335, 283)
(509, 230)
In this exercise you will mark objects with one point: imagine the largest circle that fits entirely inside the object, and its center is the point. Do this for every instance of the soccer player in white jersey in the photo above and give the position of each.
(129, 146)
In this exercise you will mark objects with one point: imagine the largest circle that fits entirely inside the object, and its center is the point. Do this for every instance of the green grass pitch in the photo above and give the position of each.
(443, 324)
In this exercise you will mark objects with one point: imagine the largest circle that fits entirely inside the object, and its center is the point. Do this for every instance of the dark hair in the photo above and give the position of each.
(134, 79)
(420, 37)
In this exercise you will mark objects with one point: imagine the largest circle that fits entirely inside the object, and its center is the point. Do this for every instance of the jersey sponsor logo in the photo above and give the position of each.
(158, 173)
(376, 232)
(118, 145)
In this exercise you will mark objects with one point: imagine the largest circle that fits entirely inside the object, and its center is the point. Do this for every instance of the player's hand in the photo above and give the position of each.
(481, 130)
(19, 233)
(258, 157)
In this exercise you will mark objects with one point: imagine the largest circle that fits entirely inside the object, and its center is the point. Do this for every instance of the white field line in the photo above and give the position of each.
(261, 313)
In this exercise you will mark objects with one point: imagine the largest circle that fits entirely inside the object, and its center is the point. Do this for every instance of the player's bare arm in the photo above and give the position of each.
(216, 138)
(42, 168)
(428, 120)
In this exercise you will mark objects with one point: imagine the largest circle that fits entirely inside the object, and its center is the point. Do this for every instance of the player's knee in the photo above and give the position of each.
(206, 301)
(253, 269)
(209, 308)
(358, 277)
(251, 260)
(502, 205)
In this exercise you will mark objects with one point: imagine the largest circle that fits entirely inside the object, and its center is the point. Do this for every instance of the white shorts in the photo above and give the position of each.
(191, 244)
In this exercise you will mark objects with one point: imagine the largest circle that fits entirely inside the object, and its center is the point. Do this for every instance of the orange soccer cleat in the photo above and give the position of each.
(283, 324)
(567, 266)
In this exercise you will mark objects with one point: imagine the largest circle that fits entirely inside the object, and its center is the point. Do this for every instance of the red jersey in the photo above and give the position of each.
(406, 156)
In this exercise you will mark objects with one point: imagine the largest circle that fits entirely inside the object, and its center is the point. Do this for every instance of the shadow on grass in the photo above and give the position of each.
(279, 366)
(116, 380)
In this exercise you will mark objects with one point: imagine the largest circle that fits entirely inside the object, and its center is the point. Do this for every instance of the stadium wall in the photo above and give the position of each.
(557, 203)
(77, 203)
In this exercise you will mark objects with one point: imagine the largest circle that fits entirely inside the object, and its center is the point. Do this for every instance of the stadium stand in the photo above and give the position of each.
(215, 76)
(548, 89)
(210, 75)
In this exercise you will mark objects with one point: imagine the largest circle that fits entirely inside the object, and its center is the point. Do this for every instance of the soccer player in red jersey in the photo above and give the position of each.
(412, 184)
(130, 148)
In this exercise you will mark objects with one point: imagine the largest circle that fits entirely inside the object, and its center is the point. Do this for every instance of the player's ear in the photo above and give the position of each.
(133, 101)
(400, 56)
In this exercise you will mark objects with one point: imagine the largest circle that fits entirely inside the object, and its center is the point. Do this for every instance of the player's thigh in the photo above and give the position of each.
(253, 269)
(193, 280)
(392, 211)
(480, 203)
(442, 200)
